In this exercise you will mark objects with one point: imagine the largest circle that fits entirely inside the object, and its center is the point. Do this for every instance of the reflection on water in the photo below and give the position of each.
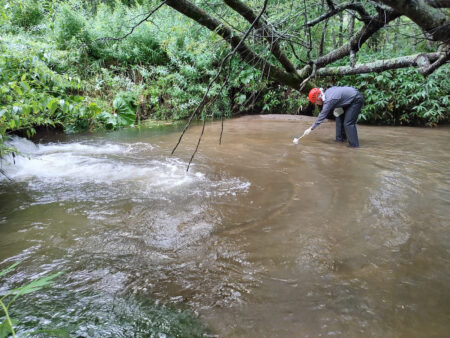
(260, 238)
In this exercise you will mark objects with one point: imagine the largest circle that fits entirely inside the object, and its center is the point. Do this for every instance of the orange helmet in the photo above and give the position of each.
(314, 94)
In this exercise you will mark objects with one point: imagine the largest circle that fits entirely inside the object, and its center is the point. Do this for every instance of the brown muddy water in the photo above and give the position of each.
(261, 238)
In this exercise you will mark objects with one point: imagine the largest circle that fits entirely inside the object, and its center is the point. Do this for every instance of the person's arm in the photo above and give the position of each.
(328, 106)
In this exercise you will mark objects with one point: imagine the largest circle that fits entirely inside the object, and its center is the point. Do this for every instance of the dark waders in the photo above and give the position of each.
(346, 123)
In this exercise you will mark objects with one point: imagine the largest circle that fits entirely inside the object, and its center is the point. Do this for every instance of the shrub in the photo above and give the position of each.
(69, 27)
(27, 14)
(141, 47)
(33, 94)
(403, 96)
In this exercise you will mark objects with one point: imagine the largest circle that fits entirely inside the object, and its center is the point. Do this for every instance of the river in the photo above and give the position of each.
(261, 238)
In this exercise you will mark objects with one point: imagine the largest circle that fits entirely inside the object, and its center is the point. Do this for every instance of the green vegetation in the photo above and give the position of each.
(7, 325)
(94, 314)
(62, 66)
(401, 97)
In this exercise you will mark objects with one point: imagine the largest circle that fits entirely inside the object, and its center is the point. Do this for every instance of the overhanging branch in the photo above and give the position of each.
(190, 10)
(269, 33)
(434, 21)
(416, 60)
(147, 16)
(439, 3)
(428, 69)
(355, 43)
(365, 17)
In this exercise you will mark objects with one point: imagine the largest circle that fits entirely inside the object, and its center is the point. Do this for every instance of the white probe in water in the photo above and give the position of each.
(295, 140)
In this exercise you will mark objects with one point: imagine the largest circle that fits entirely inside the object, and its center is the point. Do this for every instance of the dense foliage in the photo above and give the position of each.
(402, 97)
(61, 66)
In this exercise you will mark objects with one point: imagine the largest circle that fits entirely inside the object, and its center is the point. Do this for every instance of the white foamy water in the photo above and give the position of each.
(74, 163)
(108, 170)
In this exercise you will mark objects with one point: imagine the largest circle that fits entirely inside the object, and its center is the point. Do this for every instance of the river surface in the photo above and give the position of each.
(261, 238)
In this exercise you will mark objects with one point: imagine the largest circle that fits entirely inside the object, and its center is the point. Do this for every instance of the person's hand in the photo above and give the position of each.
(307, 131)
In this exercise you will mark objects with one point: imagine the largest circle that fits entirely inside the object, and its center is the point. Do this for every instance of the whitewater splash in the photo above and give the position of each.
(135, 165)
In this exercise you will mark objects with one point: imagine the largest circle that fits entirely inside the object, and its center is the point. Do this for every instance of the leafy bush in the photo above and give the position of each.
(403, 97)
(27, 14)
(100, 36)
(34, 95)
(141, 48)
(124, 111)
(69, 27)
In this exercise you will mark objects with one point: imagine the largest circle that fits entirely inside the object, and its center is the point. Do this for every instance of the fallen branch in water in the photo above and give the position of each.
(203, 102)
(4, 174)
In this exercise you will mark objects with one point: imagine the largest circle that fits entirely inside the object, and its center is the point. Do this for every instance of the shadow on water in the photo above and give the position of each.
(260, 238)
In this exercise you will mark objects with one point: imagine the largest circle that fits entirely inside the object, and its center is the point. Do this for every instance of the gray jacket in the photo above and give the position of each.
(335, 97)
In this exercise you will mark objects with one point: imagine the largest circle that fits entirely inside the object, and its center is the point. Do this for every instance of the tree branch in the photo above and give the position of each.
(383, 65)
(251, 58)
(135, 26)
(330, 4)
(203, 102)
(269, 33)
(365, 17)
(439, 3)
(432, 20)
(428, 69)
(355, 43)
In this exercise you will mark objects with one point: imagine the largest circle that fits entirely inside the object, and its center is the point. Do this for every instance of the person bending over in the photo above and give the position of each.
(349, 100)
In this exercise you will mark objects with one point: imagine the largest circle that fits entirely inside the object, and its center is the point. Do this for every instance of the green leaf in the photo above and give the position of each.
(9, 268)
(65, 108)
(52, 333)
(18, 91)
(5, 329)
(77, 98)
(25, 85)
(241, 99)
(35, 285)
(93, 107)
(125, 119)
(52, 105)
(125, 113)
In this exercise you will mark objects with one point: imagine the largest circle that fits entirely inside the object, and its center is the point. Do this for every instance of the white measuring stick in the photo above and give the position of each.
(295, 140)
